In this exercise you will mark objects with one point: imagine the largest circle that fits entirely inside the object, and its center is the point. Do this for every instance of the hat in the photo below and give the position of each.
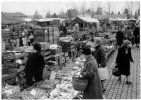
(86, 50)
(125, 43)
(87, 37)
(98, 41)
(37, 46)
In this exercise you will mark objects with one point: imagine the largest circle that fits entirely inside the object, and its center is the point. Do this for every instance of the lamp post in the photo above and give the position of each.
(44, 13)
(67, 11)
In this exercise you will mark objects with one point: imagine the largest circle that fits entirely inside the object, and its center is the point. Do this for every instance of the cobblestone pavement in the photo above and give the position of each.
(120, 90)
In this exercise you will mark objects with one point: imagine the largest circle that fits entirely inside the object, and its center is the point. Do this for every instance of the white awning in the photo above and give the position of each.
(88, 19)
(45, 20)
(120, 19)
(27, 19)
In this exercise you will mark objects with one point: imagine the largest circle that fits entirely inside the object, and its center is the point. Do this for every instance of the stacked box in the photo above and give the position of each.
(45, 45)
(56, 51)
(62, 60)
(55, 58)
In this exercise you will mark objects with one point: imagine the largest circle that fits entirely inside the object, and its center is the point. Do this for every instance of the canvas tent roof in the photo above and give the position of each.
(113, 16)
(84, 19)
(28, 19)
(9, 21)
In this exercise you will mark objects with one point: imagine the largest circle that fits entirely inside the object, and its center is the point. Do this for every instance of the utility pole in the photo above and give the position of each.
(67, 11)
(44, 13)
(92, 7)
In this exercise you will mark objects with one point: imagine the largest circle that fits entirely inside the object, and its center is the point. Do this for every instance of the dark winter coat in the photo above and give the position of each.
(34, 67)
(123, 61)
(100, 56)
(136, 33)
(93, 89)
(119, 37)
(64, 30)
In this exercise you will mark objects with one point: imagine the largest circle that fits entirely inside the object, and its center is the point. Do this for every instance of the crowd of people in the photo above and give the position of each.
(26, 37)
(95, 68)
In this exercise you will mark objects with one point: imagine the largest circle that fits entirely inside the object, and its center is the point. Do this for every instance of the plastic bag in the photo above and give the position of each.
(103, 73)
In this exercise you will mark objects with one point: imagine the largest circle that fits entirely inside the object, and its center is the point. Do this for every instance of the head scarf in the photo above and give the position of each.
(125, 43)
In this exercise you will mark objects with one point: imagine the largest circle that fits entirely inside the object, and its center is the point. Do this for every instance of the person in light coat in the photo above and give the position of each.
(90, 71)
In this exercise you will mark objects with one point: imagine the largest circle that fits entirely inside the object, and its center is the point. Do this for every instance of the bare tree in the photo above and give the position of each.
(83, 7)
(110, 5)
(138, 4)
(129, 5)
(96, 4)
(74, 6)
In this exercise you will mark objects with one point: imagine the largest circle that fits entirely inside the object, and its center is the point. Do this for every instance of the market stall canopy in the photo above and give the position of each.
(121, 19)
(43, 20)
(28, 19)
(113, 16)
(9, 21)
(132, 19)
(112, 19)
(84, 19)
(20, 20)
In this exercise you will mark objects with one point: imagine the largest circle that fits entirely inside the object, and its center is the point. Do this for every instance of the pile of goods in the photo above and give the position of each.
(48, 84)
(10, 90)
(33, 94)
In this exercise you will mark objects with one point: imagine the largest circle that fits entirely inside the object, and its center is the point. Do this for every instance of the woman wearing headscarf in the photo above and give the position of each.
(100, 56)
(34, 65)
(123, 60)
(90, 71)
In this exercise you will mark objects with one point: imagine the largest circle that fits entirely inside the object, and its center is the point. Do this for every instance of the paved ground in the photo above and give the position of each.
(120, 90)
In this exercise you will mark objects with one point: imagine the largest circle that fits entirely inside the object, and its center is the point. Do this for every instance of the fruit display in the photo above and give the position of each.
(48, 84)
(33, 94)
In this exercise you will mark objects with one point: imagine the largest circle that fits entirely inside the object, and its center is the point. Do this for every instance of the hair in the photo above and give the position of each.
(86, 50)
(37, 46)
(128, 27)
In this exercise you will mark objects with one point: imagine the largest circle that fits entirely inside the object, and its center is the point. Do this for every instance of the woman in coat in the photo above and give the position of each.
(100, 56)
(123, 60)
(90, 71)
(136, 33)
(34, 66)
(10, 44)
(119, 37)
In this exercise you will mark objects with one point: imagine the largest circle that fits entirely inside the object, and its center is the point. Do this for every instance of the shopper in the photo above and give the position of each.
(90, 71)
(129, 33)
(34, 66)
(30, 36)
(123, 60)
(136, 33)
(100, 56)
(93, 31)
(64, 29)
(10, 44)
(119, 37)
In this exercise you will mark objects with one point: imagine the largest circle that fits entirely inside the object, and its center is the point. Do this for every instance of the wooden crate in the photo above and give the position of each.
(47, 57)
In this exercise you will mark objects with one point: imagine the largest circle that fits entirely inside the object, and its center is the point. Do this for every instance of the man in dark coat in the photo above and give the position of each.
(123, 60)
(34, 66)
(90, 71)
(119, 37)
(136, 33)
(64, 29)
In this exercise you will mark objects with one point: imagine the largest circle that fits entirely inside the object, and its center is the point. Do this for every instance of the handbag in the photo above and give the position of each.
(31, 36)
(116, 71)
(103, 73)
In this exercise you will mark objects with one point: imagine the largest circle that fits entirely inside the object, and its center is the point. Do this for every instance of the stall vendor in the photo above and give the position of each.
(10, 45)
(34, 66)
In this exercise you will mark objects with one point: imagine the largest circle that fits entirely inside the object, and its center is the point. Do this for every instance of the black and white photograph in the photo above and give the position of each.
(70, 49)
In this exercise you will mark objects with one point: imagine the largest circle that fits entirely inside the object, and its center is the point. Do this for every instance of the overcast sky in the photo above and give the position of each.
(28, 7)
